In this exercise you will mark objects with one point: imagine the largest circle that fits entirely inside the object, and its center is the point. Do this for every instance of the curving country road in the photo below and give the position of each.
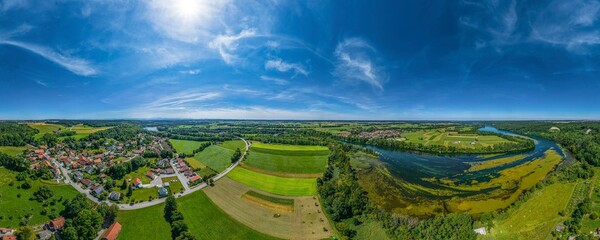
(187, 191)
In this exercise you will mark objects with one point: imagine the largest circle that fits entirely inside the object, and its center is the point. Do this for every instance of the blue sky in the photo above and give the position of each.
(401, 60)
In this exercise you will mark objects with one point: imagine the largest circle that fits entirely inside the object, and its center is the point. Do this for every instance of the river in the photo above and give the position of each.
(413, 167)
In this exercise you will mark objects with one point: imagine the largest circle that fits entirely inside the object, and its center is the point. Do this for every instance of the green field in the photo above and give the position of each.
(290, 150)
(217, 157)
(537, 217)
(234, 144)
(44, 128)
(14, 208)
(273, 184)
(146, 223)
(587, 224)
(185, 146)
(449, 138)
(194, 163)
(10, 150)
(82, 131)
(207, 221)
(287, 164)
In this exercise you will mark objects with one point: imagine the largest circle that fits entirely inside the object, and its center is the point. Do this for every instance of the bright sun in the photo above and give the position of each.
(188, 10)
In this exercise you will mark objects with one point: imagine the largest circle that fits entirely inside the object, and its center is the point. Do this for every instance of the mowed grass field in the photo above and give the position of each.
(207, 221)
(218, 157)
(537, 217)
(287, 158)
(82, 131)
(274, 184)
(13, 208)
(10, 150)
(146, 223)
(185, 146)
(448, 138)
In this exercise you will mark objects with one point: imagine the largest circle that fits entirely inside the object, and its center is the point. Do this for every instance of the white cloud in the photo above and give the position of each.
(13, 4)
(282, 66)
(190, 72)
(226, 44)
(570, 24)
(181, 100)
(356, 62)
(278, 81)
(76, 65)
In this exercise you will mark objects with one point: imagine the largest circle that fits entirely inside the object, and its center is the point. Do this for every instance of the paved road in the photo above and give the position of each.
(160, 200)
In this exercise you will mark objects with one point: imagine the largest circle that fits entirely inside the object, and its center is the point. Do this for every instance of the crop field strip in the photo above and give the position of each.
(274, 184)
(303, 222)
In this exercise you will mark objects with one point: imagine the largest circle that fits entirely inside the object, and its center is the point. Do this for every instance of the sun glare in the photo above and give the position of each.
(188, 10)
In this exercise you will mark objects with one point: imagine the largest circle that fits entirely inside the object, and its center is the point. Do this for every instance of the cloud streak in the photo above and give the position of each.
(227, 44)
(282, 66)
(76, 65)
(355, 62)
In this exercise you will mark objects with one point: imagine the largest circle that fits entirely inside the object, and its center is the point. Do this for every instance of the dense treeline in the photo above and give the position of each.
(84, 219)
(120, 133)
(179, 230)
(202, 146)
(13, 163)
(118, 171)
(344, 199)
(14, 134)
(582, 139)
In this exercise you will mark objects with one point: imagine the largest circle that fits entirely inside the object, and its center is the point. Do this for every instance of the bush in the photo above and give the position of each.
(594, 216)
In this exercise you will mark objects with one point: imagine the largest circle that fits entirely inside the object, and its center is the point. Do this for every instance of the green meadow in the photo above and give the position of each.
(274, 184)
(287, 163)
(15, 204)
(537, 217)
(218, 157)
(145, 223)
(10, 150)
(185, 146)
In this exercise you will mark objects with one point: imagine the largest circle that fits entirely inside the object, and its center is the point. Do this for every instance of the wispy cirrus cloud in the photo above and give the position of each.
(278, 81)
(181, 100)
(226, 44)
(76, 65)
(356, 62)
(282, 66)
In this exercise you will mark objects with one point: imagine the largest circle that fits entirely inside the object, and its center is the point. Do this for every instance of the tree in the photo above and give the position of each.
(177, 228)
(124, 185)
(88, 223)
(25, 233)
(236, 155)
(170, 208)
(186, 236)
(43, 193)
(108, 212)
(75, 205)
(69, 233)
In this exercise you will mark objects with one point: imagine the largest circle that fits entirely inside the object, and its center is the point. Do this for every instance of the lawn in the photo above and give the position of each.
(273, 184)
(287, 163)
(215, 157)
(174, 184)
(207, 221)
(140, 173)
(537, 217)
(185, 146)
(145, 223)
(13, 208)
(10, 150)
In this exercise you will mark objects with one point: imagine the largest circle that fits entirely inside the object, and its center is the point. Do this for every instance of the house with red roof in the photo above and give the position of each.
(194, 178)
(150, 175)
(9, 237)
(112, 232)
(56, 224)
(137, 182)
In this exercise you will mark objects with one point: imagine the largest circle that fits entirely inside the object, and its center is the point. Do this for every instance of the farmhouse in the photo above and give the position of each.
(56, 224)
(44, 235)
(112, 232)
(9, 237)
(150, 175)
(137, 182)
(194, 178)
